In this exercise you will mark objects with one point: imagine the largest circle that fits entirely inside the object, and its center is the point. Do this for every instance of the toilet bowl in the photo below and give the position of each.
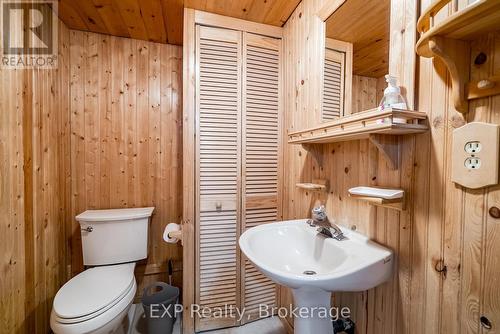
(98, 299)
(95, 301)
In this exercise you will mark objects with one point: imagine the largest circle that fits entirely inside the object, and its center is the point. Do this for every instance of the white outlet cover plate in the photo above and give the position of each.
(488, 135)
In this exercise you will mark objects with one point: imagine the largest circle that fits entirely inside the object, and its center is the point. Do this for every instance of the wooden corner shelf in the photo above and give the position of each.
(311, 186)
(380, 127)
(315, 185)
(448, 39)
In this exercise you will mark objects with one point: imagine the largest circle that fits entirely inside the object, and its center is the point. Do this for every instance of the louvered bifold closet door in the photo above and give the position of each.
(219, 151)
(333, 85)
(261, 141)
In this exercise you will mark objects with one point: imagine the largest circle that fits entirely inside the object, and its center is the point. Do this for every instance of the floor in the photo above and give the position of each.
(265, 326)
(271, 325)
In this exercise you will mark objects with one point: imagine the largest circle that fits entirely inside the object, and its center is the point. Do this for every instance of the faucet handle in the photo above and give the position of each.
(310, 222)
(319, 213)
(318, 209)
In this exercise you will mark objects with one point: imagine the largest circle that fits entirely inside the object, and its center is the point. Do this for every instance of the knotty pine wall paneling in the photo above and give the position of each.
(13, 280)
(458, 235)
(34, 164)
(126, 138)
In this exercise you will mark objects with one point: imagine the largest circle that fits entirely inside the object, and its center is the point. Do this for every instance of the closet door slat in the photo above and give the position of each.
(219, 168)
(261, 116)
(333, 85)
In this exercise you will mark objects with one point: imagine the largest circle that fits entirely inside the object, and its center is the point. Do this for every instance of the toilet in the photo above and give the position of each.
(98, 299)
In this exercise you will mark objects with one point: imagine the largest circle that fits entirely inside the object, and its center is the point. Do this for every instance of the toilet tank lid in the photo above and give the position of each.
(114, 214)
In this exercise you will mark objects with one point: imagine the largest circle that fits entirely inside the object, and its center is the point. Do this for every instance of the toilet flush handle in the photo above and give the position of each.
(88, 229)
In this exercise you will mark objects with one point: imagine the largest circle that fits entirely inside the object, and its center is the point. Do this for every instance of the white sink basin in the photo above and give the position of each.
(294, 254)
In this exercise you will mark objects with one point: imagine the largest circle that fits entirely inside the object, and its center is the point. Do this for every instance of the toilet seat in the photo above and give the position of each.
(93, 292)
(96, 313)
(104, 323)
(77, 311)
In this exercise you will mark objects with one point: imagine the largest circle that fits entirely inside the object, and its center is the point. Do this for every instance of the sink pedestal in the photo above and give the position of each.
(315, 304)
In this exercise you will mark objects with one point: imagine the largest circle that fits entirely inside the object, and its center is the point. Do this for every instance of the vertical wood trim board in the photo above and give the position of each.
(126, 138)
(188, 171)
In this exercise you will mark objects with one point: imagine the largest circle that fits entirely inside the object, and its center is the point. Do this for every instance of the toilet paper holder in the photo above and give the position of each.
(173, 233)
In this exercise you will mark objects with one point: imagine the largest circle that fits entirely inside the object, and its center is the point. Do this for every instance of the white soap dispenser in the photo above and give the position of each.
(392, 99)
(392, 95)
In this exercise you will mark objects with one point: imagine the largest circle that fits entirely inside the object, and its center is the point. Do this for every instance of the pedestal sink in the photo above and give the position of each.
(293, 254)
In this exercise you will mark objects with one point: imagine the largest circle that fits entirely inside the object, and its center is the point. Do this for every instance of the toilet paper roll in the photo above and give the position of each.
(171, 228)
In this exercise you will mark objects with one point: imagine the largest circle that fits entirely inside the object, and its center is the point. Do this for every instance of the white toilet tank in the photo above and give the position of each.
(114, 235)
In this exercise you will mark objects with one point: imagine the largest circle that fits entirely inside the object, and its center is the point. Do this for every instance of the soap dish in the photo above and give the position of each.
(389, 198)
(377, 192)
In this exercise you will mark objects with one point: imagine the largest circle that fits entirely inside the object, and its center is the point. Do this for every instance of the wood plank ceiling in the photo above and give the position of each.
(161, 20)
(365, 23)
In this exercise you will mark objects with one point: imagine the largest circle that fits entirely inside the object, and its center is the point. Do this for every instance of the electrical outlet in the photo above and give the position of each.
(472, 163)
(475, 155)
(473, 147)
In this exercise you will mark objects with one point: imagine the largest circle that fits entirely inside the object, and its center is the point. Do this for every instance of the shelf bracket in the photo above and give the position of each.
(316, 150)
(455, 55)
(389, 147)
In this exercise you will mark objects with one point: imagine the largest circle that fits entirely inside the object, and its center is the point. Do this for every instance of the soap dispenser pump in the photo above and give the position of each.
(392, 95)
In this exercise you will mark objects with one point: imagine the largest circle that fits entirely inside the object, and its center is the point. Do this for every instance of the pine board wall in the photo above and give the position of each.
(446, 244)
(126, 138)
(34, 164)
(452, 226)
(101, 131)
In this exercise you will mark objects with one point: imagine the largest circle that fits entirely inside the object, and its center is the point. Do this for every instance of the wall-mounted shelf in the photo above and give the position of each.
(448, 41)
(380, 127)
(378, 196)
(311, 186)
(315, 185)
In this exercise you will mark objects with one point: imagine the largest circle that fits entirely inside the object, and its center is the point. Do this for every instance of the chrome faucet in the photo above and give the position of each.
(323, 224)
